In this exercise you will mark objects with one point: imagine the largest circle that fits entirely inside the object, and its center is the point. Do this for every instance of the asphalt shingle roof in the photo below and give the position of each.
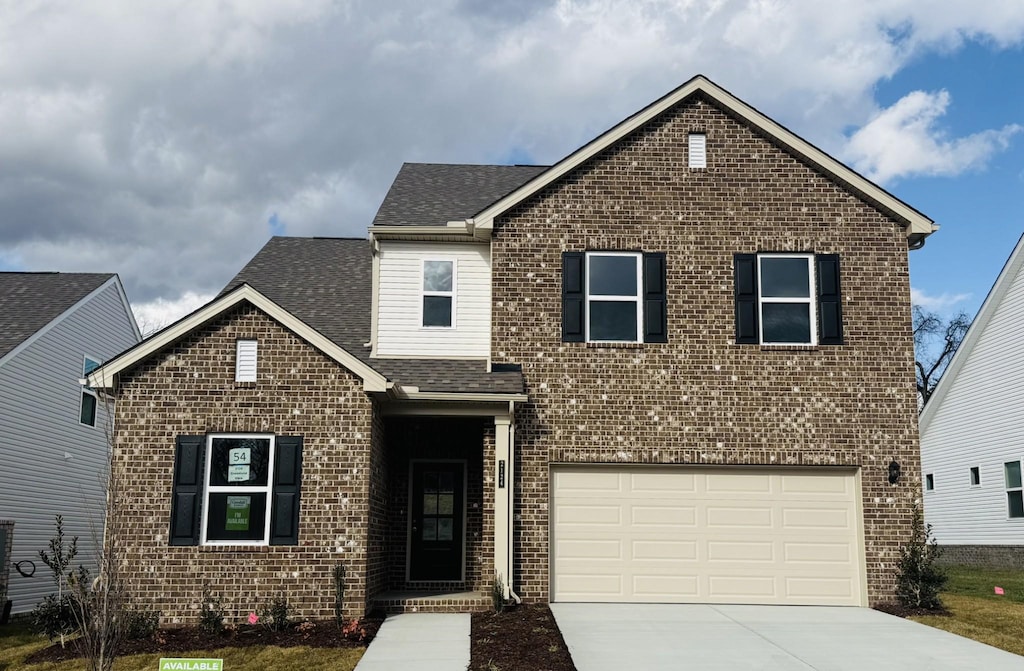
(30, 301)
(432, 194)
(326, 282)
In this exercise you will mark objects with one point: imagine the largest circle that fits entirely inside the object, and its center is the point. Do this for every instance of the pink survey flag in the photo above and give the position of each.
(999, 591)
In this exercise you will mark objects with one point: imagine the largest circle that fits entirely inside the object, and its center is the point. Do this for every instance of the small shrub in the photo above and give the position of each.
(354, 630)
(54, 617)
(919, 580)
(338, 573)
(141, 624)
(498, 593)
(274, 616)
(211, 614)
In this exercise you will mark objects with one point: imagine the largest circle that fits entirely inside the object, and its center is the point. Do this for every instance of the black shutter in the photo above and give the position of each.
(189, 472)
(830, 305)
(572, 297)
(745, 269)
(284, 517)
(655, 311)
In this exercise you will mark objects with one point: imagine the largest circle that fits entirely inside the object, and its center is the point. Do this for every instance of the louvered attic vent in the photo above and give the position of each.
(698, 150)
(245, 361)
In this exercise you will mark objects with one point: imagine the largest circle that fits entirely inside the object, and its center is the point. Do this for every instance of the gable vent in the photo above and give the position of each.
(698, 150)
(245, 361)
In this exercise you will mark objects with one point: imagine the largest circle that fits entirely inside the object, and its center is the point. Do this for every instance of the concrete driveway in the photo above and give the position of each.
(650, 637)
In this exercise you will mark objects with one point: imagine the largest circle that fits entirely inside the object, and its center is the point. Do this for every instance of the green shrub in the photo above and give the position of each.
(498, 593)
(274, 615)
(211, 614)
(141, 624)
(54, 617)
(338, 572)
(919, 580)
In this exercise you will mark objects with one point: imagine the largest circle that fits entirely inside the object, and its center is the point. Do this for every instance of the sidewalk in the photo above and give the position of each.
(421, 641)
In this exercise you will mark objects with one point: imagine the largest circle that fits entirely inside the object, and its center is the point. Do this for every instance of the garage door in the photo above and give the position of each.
(705, 535)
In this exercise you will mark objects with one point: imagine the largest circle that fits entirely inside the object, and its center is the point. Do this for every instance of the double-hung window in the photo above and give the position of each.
(236, 489)
(788, 299)
(438, 305)
(87, 408)
(614, 297)
(1014, 491)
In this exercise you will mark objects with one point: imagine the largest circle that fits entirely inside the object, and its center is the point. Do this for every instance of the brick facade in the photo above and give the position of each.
(190, 389)
(701, 399)
(988, 556)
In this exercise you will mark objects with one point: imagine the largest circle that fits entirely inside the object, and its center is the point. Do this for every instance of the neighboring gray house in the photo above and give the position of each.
(54, 328)
(972, 439)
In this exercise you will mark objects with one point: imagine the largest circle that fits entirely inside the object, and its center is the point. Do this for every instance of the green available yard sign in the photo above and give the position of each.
(238, 513)
(169, 664)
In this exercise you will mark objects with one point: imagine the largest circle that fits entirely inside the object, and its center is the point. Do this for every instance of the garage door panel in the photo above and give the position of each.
(714, 535)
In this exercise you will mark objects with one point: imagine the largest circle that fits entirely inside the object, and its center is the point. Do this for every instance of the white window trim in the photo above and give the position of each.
(222, 489)
(811, 300)
(1007, 489)
(88, 390)
(452, 294)
(602, 298)
(970, 476)
(929, 482)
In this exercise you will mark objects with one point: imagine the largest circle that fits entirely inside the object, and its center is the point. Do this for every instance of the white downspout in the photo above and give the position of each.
(511, 502)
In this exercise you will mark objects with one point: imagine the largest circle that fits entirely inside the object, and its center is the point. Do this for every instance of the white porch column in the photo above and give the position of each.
(503, 499)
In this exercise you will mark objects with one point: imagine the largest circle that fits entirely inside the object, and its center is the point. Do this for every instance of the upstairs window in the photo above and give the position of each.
(788, 299)
(975, 476)
(1014, 492)
(929, 482)
(438, 293)
(613, 297)
(87, 408)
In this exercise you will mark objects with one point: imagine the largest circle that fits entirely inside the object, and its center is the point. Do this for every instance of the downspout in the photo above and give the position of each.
(511, 500)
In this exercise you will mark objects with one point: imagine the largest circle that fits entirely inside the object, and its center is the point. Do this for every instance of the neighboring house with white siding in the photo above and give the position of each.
(972, 439)
(54, 329)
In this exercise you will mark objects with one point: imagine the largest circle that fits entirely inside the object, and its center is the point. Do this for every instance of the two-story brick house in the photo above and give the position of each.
(675, 366)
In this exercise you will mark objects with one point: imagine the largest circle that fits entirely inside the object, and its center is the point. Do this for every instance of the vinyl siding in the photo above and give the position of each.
(50, 463)
(399, 330)
(978, 424)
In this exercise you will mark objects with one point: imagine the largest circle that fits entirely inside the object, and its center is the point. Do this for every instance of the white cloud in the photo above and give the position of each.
(154, 315)
(906, 140)
(943, 303)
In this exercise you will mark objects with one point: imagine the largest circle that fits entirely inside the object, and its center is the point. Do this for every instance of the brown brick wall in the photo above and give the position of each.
(987, 556)
(190, 389)
(701, 399)
(5, 554)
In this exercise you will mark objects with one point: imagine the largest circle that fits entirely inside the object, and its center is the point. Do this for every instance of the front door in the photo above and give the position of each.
(435, 543)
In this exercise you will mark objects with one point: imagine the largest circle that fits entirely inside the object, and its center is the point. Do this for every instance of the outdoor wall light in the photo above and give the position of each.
(894, 472)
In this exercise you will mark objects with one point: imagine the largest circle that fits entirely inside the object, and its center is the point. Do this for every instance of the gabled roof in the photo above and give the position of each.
(1011, 269)
(30, 301)
(105, 376)
(917, 224)
(432, 194)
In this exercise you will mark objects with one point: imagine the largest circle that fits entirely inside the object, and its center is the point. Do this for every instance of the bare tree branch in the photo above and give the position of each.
(935, 343)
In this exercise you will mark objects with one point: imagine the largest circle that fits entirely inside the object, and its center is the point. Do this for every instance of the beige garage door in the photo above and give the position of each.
(705, 535)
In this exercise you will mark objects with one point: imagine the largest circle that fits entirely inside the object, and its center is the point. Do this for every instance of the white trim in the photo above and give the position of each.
(267, 489)
(408, 527)
(811, 300)
(424, 293)
(105, 377)
(988, 309)
(374, 293)
(623, 298)
(1007, 488)
(917, 224)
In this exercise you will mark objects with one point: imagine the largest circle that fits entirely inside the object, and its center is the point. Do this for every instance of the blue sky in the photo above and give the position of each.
(169, 142)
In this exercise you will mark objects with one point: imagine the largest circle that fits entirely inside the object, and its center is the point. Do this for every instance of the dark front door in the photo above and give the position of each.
(435, 544)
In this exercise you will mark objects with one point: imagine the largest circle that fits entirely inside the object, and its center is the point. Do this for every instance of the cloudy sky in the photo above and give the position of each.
(167, 141)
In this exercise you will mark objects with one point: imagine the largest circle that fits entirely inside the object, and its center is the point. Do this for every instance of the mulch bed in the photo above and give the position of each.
(322, 634)
(904, 611)
(524, 638)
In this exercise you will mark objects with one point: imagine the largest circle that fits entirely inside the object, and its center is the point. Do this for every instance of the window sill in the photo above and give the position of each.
(789, 348)
(616, 345)
(234, 548)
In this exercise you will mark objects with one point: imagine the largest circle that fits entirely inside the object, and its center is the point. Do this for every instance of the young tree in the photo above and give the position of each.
(935, 343)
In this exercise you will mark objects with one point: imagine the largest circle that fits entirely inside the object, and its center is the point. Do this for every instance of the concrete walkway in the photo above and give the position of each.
(652, 637)
(420, 641)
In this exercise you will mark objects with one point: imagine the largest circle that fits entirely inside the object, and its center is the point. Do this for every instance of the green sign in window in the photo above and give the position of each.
(238, 513)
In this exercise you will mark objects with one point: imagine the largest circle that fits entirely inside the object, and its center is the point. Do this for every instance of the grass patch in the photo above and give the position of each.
(978, 612)
(17, 642)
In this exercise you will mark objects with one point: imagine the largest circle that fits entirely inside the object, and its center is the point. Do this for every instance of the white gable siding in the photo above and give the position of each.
(49, 462)
(399, 327)
(978, 422)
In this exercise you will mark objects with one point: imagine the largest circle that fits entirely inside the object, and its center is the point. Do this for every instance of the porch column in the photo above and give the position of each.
(503, 500)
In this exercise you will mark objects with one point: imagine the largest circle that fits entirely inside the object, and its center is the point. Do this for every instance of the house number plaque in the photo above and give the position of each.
(501, 474)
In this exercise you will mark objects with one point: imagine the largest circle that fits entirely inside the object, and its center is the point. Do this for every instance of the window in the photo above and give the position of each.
(438, 293)
(245, 360)
(788, 299)
(929, 483)
(87, 407)
(613, 297)
(975, 476)
(236, 489)
(698, 157)
(1014, 493)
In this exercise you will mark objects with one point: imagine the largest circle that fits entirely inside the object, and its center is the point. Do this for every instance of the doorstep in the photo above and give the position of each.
(431, 602)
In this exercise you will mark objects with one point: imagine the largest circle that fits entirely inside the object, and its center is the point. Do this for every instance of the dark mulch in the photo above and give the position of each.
(524, 638)
(900, 610)
(323, 634)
